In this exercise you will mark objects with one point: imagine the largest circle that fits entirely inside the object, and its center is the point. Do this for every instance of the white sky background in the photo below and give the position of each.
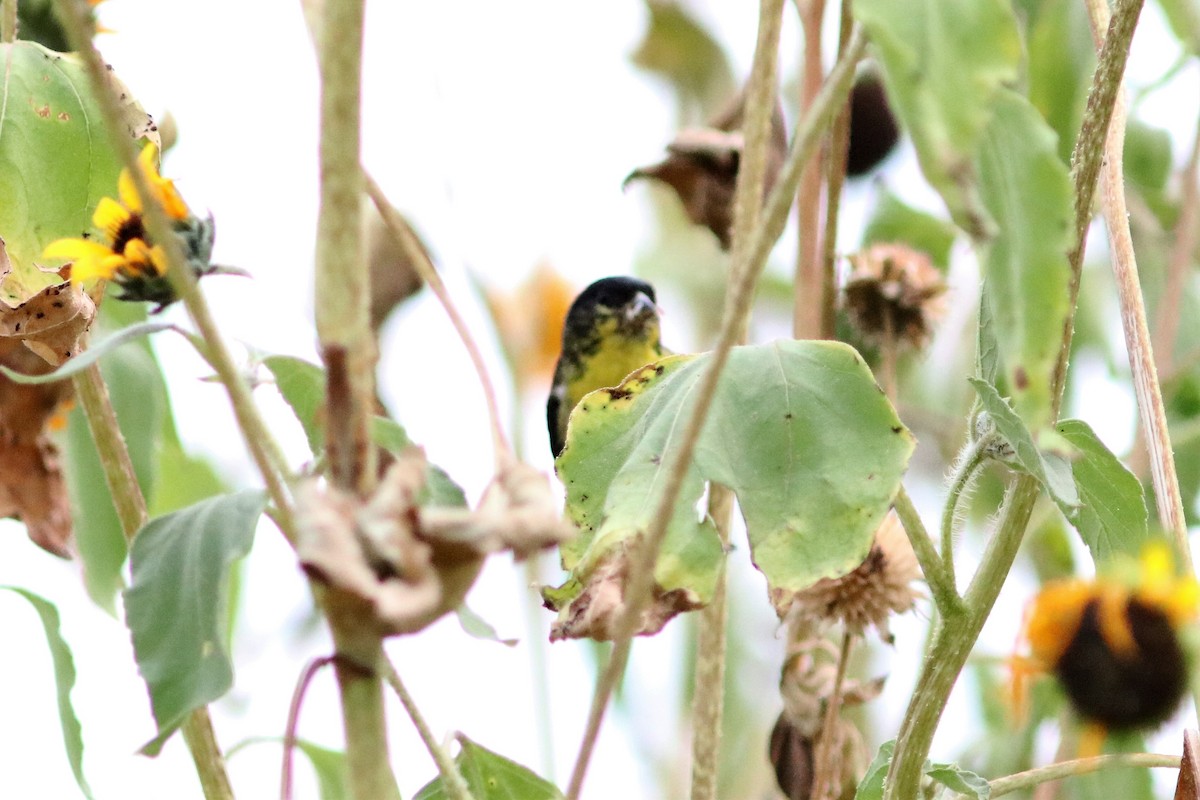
(504, 131)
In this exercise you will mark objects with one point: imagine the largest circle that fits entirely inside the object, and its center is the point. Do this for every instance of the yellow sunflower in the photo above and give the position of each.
(125, 250)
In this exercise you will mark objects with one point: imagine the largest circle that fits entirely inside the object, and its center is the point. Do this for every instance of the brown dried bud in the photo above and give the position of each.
(894, 292)
(791, 754)
(703, 164)
(394, 279)
(876, 588)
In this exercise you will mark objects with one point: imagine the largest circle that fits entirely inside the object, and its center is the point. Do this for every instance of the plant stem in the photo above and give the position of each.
(455, 787)
(810, 274)
(293, 721)
(965, 469)
(955, 638)
(1079, 766)
(941, 582)
(368, 773)
(130, 506)
(743, 276)
(835, 177)
(823, 777)
(708, 697)
(404, 236)
(8, 21)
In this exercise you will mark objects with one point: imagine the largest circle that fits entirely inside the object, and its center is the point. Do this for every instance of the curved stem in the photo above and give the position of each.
(965, 470)
(293, 721)
(941, 583)
(1079, 766)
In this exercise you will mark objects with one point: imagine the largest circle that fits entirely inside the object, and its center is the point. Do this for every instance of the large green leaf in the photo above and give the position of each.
(55, 158)
(1027, 191)
(1061, 61)
(943, 62)
(1111, 516)
(138, 394)
(490, 776)
(303, 388)
(799, 430)
(64, 682)
(175, 604)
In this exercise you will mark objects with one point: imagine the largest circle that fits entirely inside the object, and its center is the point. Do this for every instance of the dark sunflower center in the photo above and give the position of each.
(132, 228)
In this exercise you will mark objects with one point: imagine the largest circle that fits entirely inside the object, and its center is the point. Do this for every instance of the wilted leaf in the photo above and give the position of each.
(942, 63)
(1027, 190)
(1111, 516)
(175, 604)
(678, 49)
(798, 430)
(479, 628)
(64, 681)
(393, 277)
(702, 167)
(490, 776)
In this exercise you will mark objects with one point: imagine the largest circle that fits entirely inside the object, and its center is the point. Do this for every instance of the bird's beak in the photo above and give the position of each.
(641, 309)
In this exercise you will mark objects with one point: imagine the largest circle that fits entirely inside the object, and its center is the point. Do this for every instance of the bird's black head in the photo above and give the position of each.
(605, 296)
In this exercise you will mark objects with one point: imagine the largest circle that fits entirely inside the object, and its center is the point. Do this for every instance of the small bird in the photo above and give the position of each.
(612, 328)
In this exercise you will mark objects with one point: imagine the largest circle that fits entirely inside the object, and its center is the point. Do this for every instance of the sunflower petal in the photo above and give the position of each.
(109, 217)
(75, 249)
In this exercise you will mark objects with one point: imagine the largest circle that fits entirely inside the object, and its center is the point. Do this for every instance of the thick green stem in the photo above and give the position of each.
(201, 740)
(952, 644)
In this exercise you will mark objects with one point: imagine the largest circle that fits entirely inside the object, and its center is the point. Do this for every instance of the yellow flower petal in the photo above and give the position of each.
(109, 217)
(75, 249)
(138, 257)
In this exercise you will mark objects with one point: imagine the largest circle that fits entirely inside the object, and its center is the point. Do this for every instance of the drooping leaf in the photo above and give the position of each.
(1111, 517)
(64, 681)
(55, 158)
(1051, 469)
(895, 221)
(1027, 191)
(303, 388)
(490, 776)
(959, 780)
(175, 604)
(479, 628)
(943, 62)
(798, 430)
(138, 394)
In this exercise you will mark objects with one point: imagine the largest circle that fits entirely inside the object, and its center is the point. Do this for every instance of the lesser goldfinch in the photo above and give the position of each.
(612, 328)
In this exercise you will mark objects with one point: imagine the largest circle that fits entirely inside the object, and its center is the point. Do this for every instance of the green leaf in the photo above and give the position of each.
(479, 628)
(64, 682)
(490, 776)
(175, 604)
(1111, 518)
(93, 354)
(959, 780)
(987, 351)
(894, 221)
(303, 388)
(328, 765)
(799, 431)
(1027, 190)
(678, 49)
(1061, 62)
(56, 161)
(1184, 18)
(943, 62)
(139, 397)
(1051, 470)
(949, 775)
(871, 786)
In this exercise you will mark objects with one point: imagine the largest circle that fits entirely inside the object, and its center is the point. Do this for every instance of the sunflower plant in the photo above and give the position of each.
(895, 480)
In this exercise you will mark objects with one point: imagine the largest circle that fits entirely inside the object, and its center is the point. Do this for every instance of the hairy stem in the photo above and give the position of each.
(965, 469)
(940, 581)
(743, 276)
(452, 781)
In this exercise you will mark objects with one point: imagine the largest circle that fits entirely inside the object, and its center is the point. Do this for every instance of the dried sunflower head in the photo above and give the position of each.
(876, 588)
(894, 291)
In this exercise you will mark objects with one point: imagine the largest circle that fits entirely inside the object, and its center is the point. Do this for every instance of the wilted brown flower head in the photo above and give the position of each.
(876, 588)
(702, 167)
(894, 290)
